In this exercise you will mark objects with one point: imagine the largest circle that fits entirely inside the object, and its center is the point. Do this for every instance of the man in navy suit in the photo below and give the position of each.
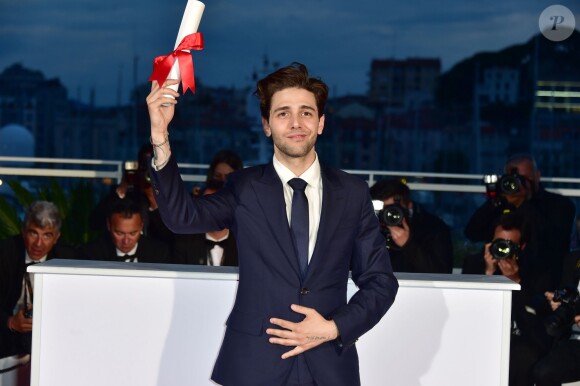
(291, 324)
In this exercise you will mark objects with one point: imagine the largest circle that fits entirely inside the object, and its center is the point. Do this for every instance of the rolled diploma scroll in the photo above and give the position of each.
(189, 24)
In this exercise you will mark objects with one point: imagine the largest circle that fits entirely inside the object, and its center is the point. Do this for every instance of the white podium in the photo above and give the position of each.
(103, 323)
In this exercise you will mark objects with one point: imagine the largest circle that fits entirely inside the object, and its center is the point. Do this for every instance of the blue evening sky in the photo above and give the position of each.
(92, 43)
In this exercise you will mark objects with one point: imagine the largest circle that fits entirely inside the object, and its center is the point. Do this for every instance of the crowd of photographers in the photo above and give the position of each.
(527, 233)
(525, 230)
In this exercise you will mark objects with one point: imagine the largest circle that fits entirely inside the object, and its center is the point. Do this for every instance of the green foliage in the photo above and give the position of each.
(74, 203)
(24, 196)
(9, 222)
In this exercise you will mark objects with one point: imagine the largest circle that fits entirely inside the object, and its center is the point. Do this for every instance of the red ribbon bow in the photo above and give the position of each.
(162, 64)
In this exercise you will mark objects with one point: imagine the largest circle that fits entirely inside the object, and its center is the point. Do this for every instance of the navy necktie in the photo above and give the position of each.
(299, 222)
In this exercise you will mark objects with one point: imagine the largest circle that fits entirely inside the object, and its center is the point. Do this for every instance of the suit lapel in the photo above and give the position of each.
(270, 195)
(333, 206)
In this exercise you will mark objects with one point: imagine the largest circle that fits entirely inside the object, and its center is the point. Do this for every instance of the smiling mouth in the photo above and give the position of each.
(297, 137)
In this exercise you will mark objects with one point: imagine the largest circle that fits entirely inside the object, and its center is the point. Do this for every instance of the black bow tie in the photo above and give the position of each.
(211, 243)
(126, 257)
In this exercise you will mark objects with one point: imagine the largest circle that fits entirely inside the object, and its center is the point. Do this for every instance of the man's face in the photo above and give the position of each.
(125, 232)
(294, 124)
(526, 169)
(221, 171)
(513, 235)
(39, 241)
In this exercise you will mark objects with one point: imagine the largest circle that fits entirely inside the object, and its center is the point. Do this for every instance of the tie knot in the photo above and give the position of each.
(297, 184)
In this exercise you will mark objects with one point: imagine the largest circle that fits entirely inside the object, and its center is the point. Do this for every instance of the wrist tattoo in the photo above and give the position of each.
(315, 338)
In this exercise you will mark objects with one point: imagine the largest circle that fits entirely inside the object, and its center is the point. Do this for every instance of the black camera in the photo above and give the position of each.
(560, 320)
(507, 184)
(390, 215)
(393, 214)
(503, 249)
(28, 313)
(136, 176)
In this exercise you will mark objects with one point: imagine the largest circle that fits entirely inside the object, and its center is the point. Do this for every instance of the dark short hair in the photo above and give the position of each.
(42, 214)
(392, 187)
(513, 221)
(292, 76)
(521, 157)
(125, 207)
(224, 156)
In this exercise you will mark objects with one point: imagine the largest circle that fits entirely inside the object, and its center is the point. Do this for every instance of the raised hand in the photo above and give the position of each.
(161, 108)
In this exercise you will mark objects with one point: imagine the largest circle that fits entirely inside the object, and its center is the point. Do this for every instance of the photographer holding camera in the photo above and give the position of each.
(562, 364)
(417, 240)
(506, 255)
(549, 217)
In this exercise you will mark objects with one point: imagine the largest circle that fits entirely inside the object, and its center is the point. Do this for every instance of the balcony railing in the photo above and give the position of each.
(452, 197)
(113, 171)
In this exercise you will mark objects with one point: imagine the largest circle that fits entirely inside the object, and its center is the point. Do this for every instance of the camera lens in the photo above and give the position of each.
(393, 215)
(510, 184)
(559, 321)
(502, 249)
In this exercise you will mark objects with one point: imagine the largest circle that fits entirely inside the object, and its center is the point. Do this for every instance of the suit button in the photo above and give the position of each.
(304, 291)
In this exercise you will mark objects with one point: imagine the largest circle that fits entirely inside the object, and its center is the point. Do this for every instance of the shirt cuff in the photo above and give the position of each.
(158, 168)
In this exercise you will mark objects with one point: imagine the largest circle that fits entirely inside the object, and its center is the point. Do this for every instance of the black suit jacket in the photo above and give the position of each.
(148, 250)
(252, 206)
(194, 249)
(12, 268)
(429, 248)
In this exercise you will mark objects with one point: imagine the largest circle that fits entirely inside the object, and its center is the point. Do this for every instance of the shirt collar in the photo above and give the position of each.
(130, 253)
(310, 175)
(208, 237)
(28, 260)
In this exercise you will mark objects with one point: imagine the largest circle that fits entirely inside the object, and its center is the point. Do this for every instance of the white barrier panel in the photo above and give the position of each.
(106, 323)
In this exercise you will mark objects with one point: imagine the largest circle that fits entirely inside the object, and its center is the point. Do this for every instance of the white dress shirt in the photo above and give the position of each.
(216, 254)
(20, 303)
(130, 253)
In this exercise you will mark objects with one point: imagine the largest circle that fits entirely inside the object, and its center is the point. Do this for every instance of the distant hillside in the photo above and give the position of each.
(558, 61)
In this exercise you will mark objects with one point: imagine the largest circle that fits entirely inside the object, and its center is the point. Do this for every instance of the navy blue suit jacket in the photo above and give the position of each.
(252, 206)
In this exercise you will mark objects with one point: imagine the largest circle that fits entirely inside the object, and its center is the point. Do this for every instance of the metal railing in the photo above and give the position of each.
(452, 197)
(82, 168)
(191, 172)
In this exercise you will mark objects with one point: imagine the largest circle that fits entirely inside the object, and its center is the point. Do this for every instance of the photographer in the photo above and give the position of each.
(562, 364)
(417, 240)
(506, 255)
(549, 217)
